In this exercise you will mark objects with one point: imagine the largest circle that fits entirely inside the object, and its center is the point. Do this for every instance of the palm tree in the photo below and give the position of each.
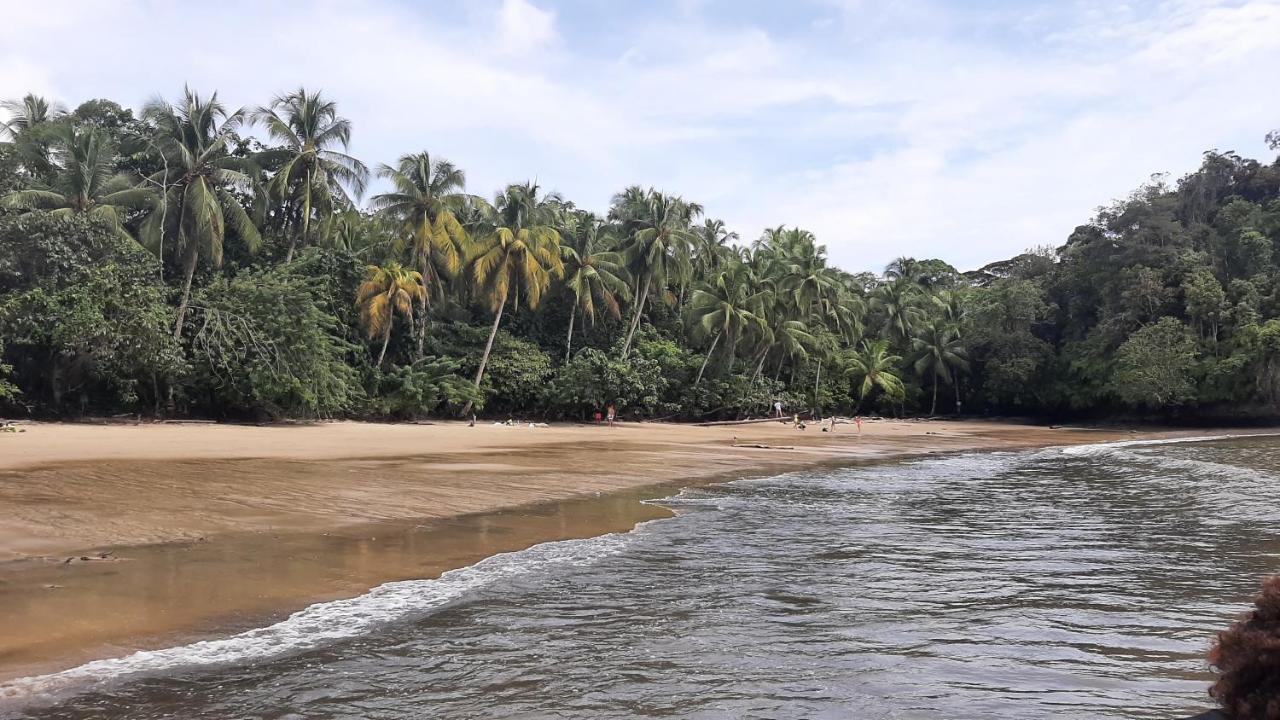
(895, 300)
(27, 113)
(427, 201)
(875, 367)
(387, 290)
(712, 247)
(726, 308)
(310, 171)
(592, 272)
(941, 355)
(28, 117)
(658, 238)
(85, 182)
(517, 250)
(194, 137)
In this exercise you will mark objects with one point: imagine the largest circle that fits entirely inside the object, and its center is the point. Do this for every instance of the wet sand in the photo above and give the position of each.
(208, 529)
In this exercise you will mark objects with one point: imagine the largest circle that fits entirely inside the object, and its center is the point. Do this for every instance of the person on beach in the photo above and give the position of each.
(777, 409)
(1246, 659)
(611, 413)
(795, 421)
(857, 420)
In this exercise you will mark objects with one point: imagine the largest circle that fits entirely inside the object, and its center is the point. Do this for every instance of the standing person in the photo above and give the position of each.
(611, 413)
(858, 421)
(1246, 658)
(777, 409)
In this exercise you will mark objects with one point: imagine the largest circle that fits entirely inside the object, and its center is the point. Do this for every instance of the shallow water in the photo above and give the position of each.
(1077, 583)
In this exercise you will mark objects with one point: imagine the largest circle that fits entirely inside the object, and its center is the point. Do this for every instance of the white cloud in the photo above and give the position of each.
(905, 128)
(524, 27)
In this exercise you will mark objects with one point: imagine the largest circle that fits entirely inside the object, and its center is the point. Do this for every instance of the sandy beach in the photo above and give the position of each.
(119, 537)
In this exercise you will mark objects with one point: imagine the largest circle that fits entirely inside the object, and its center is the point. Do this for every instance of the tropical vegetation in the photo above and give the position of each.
(198, 259)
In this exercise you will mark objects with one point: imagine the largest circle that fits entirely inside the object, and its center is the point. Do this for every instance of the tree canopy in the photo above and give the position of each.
(174, 262)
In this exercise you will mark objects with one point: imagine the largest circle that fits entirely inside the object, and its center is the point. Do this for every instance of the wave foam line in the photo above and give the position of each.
(318, 624)
(1098, 448)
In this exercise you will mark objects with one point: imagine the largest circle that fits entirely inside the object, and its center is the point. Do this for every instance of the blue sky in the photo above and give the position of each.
(965, 130)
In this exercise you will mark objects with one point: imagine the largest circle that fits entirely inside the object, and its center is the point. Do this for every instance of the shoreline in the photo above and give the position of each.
(250, 526)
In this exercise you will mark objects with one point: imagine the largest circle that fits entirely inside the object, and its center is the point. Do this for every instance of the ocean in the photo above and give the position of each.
(1079, 582)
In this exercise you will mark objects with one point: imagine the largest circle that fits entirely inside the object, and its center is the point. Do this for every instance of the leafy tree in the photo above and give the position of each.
(29, 118)
(85, 181)
(875, 368)
(592, 273)
(387, 291)
(200, 174)
(657, 240)
(940, 355)
(263, 344)
(83, 318)
(309, 172)
(1154, 367)
(517, 250)
(726, 308)
(425, 386)
(426, 202)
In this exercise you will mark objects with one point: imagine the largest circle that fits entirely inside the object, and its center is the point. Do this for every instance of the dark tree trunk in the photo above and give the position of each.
(488, 348)
(190, 262)
(706, 359)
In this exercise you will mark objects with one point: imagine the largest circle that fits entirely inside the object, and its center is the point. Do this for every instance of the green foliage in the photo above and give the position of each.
(1167, 300)
(429, 385)
(1155, 366)
(8, 391)
(261, 343)
(84, 320)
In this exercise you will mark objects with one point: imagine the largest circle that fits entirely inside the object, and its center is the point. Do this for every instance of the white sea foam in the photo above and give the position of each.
(321, 623)
(1107, 447)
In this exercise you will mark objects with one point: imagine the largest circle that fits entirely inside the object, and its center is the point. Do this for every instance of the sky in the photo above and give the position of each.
(969, 131)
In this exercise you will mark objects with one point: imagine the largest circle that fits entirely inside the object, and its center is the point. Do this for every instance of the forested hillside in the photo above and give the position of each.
(168, 263)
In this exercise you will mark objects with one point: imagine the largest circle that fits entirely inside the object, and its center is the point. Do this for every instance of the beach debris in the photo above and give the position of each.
(10, 426)
(100, 557)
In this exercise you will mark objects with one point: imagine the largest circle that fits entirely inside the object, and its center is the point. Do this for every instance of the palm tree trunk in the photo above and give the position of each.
(422, 322)
(778, 373)
(488, 348)
(386, 338)
(190, 262)
(933, 408)
(706, 360)
(568, 343)
(306, 219)
(760, 366)
(956, 378)
(816, 378)
(635, 320)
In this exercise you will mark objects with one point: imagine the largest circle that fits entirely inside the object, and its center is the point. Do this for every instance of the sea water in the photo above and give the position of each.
(1080, 582)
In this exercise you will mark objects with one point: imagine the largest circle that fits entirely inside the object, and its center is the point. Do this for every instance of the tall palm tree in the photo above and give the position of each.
(942, 355)
(310, 171)
(875, 368)
(200, 173)
(592, 273)
(85, 182)
(27, 113)
(387, 290)
(516, 251)
(727, 307)
(896, 303)
(427, 201)
(28, 118)
(658, 237)
(712, 247)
